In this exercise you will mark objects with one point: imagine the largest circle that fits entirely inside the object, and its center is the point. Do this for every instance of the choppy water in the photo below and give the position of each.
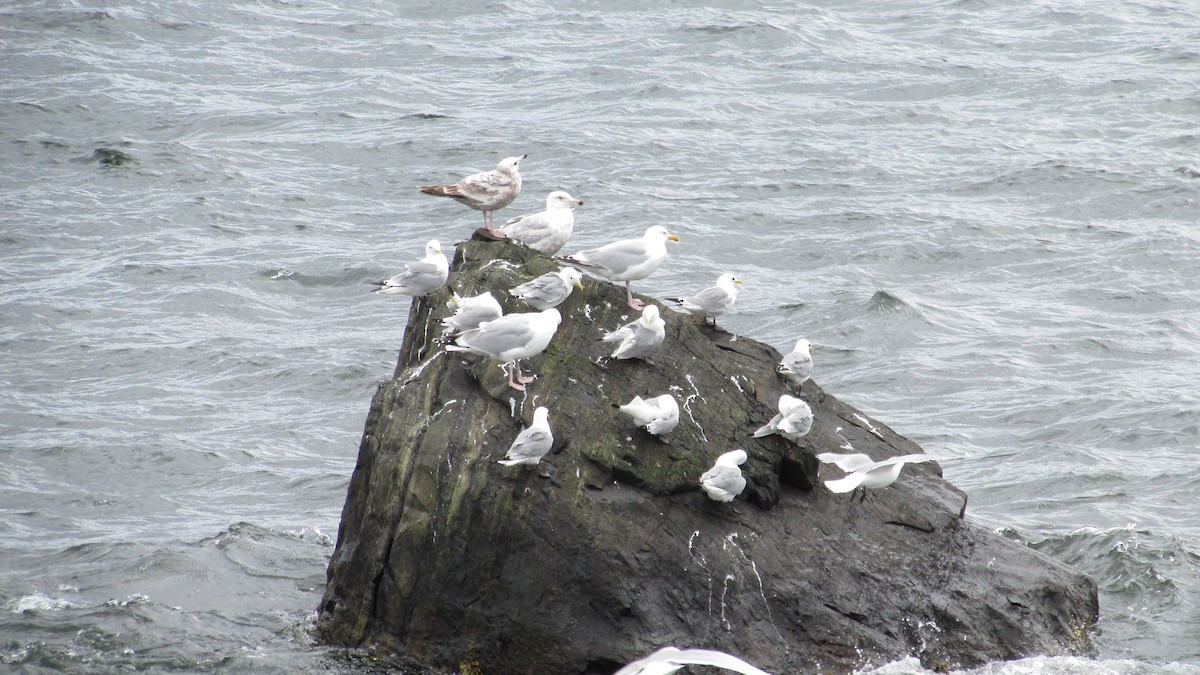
(984, 214)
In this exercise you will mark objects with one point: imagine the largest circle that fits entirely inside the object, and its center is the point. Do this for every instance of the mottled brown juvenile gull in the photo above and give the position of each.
(549, 290)
(670, 660)
(487, 191)
(509, 339)
(639, 338)
(470, 312)
(421, 277)
(534, 441)
(627, 260)
(797, 365)
(659, 415)
(724, 481)
(793, 421)
(712, 301)
(545, 231)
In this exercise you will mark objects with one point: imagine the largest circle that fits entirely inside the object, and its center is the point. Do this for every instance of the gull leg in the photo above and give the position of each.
(522, 378)
(488, 219)
(635, 304)
(512, 383)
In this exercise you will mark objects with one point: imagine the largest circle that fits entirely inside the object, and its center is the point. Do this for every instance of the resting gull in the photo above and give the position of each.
(724, 481)
(639, 338)
(546, 231)
(627, 260)
(470, 312)
(549, 290)
(712, 301)
(793, 421)
(509, 339)
(534, 441)
(421, 277)
(797, 365)
(487, 191)
(659, 415)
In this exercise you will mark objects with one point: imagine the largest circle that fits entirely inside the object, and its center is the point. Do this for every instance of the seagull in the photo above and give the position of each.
(796, 366)
(549, 290)
(862, 471)
(712, 301)
(470, 312)
(509, 339)
(669, 660)
(794, 420)
(487, 191)
(421, 277)
(546, 231)
(627, 260)
(659, 415)
(534, 441)
(724, 481)
(639, 338)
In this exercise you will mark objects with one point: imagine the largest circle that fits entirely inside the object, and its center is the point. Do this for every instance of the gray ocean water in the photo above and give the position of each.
(984, 213)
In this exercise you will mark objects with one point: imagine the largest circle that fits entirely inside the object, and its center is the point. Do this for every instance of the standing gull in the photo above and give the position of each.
(550, 289)
(794, 420)
(864, 472)
(627, 260)
(534, 441)
(470, 312)
(487, 191)
(421, 277)
(724, 481)
(639, 338)
(797, 365)
(509, 339)
(546, 231)
(712, 301)
(669, 660)
(659, 415)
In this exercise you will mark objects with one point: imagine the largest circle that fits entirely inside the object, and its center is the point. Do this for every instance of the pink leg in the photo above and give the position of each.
(487, 226)
(521, 378)
(635, 304)
(512, 383)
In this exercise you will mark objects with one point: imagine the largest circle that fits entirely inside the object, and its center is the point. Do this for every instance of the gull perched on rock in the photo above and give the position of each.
(421, 277)
(549, 290)
(712, 301)
(862, 471)
(534, 441)
(470, 312)
(509, 339)
(639, 338)
(659, 415)
(796, 366)
(793, 421)
(545, 231)
(627, 260)
(487, 191)
(669, 660)
(724, 481)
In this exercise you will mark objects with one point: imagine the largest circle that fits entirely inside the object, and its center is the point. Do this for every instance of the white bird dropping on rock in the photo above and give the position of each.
(793, 421)
(534, 441)
(627, 260)
(549, 290)
(865, 472)
(487, 191)
(712, 301)
(797, 365)
(670, 660)
(659, 415)
(470, 312)
(639, 338)
(421, 277)
(546, 231)
(510, 339)
(724, 481)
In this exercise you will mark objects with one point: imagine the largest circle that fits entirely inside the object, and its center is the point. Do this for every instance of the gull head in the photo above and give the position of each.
(732, 458)
(728, 281)
(659, 233)
(510, 164)
(790, 404)
(561, 200)
(571, 276)
(434, 247)
(803, 346)
(650, 315)
(541, 416)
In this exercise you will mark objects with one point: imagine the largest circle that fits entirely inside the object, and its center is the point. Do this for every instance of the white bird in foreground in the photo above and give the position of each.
(793, 421)
(864, 472)
(421, 277)
(487, 191)
(641, 337)
(627, 260)
(797, 365)
(659, 415)
(549, 290)
(509, 339)
(545, 231)
(724, 481)
(712, 301)
(669, 660)
(470, 312)
(534, 441)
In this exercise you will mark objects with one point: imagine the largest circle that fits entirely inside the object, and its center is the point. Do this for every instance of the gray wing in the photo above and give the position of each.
(418, 276)
(796, 424)
(485, 187)
(848, 462)
(530, 443)
(528, 228)
(710, 300)
(797, 364)
(641, 343)
(499, 336)
(727, 478)
(669, 659)
(770, 427)
(616, 257)
(546, 291)
(470, 317)
(903, 459)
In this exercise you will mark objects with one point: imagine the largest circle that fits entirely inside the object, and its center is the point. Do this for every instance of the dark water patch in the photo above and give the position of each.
(111, 157)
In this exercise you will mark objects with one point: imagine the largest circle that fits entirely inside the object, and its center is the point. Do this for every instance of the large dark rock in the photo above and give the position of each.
(445, 556)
